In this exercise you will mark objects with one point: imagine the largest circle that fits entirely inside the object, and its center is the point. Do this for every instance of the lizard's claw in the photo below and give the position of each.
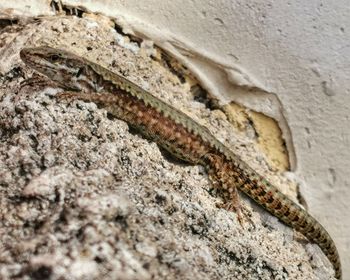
(230, 206)
(234, 207)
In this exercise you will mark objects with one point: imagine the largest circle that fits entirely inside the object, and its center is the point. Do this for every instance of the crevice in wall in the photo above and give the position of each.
(173, 66)
(131, 37)
(4, 22)
(59, 8)
(202, 96)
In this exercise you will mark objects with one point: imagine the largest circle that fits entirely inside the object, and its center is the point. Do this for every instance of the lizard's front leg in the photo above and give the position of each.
(88, 97)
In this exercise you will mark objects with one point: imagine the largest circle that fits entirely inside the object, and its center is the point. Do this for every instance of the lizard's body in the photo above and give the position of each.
(177, 133)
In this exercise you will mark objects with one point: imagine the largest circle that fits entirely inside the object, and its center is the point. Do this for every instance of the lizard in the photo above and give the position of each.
(177, 133)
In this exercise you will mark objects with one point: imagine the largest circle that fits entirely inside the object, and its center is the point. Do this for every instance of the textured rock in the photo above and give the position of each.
(84, 197)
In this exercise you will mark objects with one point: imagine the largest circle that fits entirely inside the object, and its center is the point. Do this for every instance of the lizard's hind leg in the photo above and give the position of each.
(225, 178)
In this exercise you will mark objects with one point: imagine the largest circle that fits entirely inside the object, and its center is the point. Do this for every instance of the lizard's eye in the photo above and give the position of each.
(54, 57)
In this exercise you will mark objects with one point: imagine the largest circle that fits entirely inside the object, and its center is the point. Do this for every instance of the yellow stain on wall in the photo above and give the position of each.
(267, 131)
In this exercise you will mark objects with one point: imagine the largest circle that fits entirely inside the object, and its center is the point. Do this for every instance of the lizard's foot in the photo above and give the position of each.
(243, 214)
(233, 204)
(35, 80)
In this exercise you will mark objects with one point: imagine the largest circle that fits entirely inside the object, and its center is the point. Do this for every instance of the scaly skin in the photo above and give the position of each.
(177, 133)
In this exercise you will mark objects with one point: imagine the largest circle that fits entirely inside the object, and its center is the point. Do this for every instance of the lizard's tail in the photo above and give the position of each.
(293, 215)
(232, 171)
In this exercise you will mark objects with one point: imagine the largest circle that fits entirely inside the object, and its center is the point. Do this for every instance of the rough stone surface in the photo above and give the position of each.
(84, 197)
(296, 51)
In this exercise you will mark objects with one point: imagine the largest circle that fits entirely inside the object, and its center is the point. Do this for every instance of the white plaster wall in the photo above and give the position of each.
(298, 50)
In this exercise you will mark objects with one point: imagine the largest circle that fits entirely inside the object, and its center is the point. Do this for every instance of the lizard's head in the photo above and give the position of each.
(63, 67)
